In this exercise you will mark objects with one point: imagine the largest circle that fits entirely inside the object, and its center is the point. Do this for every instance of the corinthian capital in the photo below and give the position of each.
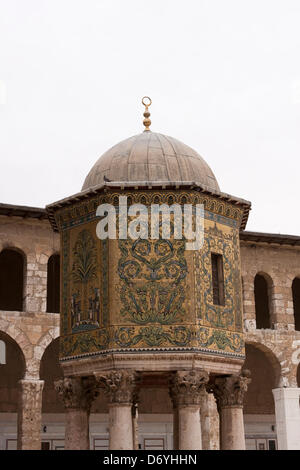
(77, 392)
(230, 391)
(119, 385)
(187, 387)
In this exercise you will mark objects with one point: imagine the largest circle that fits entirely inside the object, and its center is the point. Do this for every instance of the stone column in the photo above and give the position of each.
(186, 388)
(287, 411)
(210, 422)
(229, 393)
(30, 414)
(77, 394)
(120, 386)
(135, 427)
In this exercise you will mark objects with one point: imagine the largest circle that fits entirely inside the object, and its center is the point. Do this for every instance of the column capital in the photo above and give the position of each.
(187, 387)
(77, 392)
(31, 387)
(119, 385)
(229, 391)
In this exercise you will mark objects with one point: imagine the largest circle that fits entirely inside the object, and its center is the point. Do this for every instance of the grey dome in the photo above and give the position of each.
(151, 157)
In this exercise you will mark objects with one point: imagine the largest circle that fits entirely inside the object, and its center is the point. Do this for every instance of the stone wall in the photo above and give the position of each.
(280, 265)
(36, 240)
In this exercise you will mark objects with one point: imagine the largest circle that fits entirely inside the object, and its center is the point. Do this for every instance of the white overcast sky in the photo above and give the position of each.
(224, 77)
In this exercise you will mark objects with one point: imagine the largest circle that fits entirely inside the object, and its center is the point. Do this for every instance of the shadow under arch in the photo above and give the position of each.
(10, 374)
(51, 370)
(265, 376)
(271, 356)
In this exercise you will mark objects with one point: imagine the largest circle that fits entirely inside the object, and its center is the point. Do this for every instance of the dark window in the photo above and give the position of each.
(53, 282)
(296, 302)
(261, 294)
(217, 279)
(11, 280)
(45, 445)
(272, 444)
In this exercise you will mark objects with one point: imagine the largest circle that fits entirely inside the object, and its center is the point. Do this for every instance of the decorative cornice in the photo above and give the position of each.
(119, 385)
(230, 391)
(187, 387)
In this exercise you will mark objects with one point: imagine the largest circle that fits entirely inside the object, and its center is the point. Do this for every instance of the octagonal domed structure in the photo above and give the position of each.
(151, 157)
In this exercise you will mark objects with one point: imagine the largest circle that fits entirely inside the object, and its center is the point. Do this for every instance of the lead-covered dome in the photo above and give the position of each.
(151, 157)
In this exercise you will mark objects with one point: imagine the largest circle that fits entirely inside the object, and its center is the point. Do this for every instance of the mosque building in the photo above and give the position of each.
(147, 342)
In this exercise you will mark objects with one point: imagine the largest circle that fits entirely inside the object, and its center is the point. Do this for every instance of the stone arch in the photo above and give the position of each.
(45, 340)
(263, 294)
(298, 375)
(10, 373)
(16, 334)
(272, 357)
(265, 376)
(41, 346)
(13, 266)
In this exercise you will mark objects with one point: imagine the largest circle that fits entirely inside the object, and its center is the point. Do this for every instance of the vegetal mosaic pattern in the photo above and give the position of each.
(153, 280)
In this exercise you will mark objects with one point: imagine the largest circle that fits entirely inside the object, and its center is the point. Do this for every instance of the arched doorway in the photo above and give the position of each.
(53, 411)
(11, 372)
(259, 407)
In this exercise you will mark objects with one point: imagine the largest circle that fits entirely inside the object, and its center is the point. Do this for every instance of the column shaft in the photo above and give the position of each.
(77, 429)
(232, 433)
(210, 423)
(189, 428)
(30, 414)
(175, 428)
(120, 427)
(287, 411)
(135, 426)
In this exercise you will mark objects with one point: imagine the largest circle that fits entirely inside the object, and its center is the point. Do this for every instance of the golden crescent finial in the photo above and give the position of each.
(147, 121)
